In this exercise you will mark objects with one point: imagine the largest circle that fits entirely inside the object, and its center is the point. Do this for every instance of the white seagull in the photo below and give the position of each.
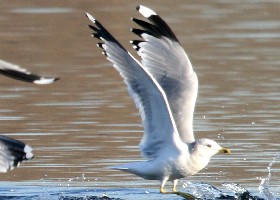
(13, 152)
(164, 88)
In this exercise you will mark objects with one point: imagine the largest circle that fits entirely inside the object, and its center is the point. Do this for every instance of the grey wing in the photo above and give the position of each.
(159, 127)
(12, 153)
(19, 73)
(163, 56)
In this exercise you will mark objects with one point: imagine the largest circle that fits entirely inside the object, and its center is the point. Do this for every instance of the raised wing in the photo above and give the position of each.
(159, 128)
(165, 59)
(12, 153)
(16, 72)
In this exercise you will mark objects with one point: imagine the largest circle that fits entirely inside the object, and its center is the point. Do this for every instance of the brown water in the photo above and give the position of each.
(87, 122)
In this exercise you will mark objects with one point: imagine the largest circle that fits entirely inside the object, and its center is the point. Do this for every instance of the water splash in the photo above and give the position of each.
(236, 188)
(264, 185)
(202, 190)
(264, 190)
(239, 191)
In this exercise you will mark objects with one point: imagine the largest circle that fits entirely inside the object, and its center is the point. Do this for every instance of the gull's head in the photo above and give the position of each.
(208, 148)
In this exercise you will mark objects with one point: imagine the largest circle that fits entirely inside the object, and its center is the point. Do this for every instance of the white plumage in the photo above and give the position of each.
(164, 88)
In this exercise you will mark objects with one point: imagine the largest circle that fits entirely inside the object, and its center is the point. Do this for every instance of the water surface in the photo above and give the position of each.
(87, 122)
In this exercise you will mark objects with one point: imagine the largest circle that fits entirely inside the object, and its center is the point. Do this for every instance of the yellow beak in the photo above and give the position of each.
(224, 150)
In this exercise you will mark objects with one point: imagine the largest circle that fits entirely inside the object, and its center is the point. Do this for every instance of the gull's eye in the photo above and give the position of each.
(209, 145)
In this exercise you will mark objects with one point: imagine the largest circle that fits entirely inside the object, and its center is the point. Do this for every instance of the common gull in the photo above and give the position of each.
(164, 88)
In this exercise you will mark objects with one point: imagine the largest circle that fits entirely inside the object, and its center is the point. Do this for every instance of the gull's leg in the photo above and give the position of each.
(174, 185)
(163, 182)
(182, 194)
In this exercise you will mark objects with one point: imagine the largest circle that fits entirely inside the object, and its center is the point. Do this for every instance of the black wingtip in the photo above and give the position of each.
(16, 151)
(99, 44)
(27, 77)
(56, 79)
(93, 27)
(158, 27)
(135, 44)
(139, 32)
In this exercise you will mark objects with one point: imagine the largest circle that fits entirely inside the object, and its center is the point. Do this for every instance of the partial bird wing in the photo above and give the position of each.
(165, 59)
(16, 72)
(12, 153)
(159, 127)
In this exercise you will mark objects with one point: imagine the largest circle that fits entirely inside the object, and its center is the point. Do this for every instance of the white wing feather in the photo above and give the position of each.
(160, 131)
(166, 60)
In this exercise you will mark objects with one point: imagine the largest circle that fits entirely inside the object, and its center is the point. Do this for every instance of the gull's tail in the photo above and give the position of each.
(144, 169)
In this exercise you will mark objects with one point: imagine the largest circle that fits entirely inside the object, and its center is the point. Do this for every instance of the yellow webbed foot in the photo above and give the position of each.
(185, 195)
(161, 190)
(182, 194)
(174, 185)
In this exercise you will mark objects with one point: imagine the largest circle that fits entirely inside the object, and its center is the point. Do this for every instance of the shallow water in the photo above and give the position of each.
(87, 122)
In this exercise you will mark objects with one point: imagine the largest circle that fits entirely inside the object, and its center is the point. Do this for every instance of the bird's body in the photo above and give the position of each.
(164, 88)
(174, 164)
(173, 167)
(170, 166)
